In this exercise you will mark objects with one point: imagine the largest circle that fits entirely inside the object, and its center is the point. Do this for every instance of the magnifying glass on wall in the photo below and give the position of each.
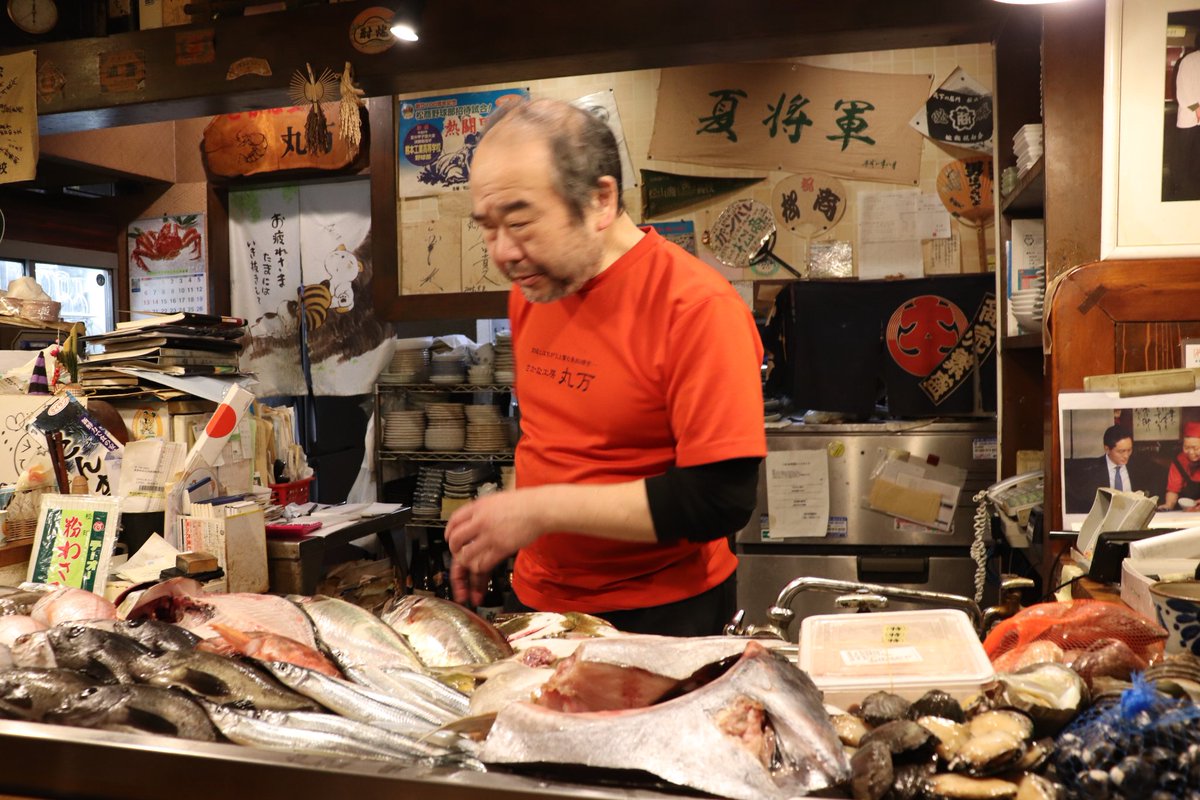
(743, 236)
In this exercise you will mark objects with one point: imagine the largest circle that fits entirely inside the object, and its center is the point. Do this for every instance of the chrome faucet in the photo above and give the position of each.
(1010, 601)
(858, 595)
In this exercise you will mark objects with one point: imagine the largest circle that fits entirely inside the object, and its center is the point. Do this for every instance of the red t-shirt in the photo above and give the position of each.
(654, 362)
(1175, 482)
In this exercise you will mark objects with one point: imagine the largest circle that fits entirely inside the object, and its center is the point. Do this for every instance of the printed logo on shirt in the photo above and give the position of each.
(573, 374)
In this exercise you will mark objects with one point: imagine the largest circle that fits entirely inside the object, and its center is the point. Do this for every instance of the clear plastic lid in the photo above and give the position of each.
(892, 648)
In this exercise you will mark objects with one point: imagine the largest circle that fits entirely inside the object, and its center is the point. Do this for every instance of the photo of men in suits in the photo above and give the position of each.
(1083, 476)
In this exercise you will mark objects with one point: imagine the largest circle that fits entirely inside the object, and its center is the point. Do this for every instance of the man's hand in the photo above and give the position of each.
(483, 533)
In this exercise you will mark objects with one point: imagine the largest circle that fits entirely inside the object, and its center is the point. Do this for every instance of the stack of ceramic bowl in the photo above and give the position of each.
(487, 432)
(446, 430)
(1027, 306)
(410, 362)
(427, 500)
(461, 482)
(404, 430)
(503, 364)
(479, 374)
(448, 367)
(508, 477)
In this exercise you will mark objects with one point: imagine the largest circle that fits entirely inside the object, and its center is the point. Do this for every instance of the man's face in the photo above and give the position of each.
(530, 232)
(1191, 448)
(1120, 452)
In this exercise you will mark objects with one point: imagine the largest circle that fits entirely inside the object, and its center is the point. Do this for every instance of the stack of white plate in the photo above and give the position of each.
(448, 367)
(410, 362)
(1027, 145)
(427, 500)
(503, 363)
(403, 430)
(1027, 306)
(487, 431)
(446, 429)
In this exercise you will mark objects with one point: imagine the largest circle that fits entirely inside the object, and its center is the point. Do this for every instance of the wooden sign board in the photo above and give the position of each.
(274, 140)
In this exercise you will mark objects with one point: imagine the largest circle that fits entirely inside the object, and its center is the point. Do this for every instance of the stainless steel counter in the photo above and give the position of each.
(56, 761)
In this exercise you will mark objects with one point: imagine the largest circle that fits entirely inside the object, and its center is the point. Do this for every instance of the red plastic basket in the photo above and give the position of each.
(295, 492)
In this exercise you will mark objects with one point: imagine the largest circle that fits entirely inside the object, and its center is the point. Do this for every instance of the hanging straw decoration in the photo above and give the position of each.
(350, 123)
(314, 91)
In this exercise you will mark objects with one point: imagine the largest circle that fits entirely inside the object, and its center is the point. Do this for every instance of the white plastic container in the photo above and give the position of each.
(848, 656)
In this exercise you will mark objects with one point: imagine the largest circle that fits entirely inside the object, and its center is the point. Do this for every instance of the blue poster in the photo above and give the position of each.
(682, 233)
(438, 136)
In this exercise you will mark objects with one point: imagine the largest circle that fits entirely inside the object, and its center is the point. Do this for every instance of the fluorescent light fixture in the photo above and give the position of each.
(1031, 2)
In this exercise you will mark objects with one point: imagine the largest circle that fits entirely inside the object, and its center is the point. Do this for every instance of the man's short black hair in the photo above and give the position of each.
(1116, 433)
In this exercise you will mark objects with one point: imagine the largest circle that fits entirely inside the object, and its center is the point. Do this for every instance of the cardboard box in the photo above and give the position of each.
(1138, 573)
(238, 540)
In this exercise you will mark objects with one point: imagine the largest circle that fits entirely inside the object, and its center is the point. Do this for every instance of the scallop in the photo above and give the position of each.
(1014, 722)
(988, 753)
(871, 772)
(850, 729)
(951, 735)
(910, 780)
(949, 786)
(904, 738)
(1036, 754)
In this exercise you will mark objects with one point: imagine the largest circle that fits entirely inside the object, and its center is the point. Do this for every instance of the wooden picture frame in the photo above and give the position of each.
(1135, 220)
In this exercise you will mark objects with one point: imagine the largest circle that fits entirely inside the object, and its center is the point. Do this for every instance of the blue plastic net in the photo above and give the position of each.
(1145, 746)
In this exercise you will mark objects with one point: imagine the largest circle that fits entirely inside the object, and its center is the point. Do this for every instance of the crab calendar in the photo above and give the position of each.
(167, 264)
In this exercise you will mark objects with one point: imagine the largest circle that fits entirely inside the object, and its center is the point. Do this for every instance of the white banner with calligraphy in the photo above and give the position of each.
(18, 117)
(791, 117)
(264, 267)
(301, 256)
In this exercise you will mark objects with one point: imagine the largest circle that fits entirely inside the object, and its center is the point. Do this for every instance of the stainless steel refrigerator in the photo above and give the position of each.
(862, 544)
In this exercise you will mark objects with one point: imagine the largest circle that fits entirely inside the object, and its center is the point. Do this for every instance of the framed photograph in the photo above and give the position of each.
(1150, 438)
(1151, 191)
(1190, 352)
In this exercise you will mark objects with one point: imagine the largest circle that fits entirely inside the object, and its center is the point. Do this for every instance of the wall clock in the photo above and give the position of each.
(33, 16)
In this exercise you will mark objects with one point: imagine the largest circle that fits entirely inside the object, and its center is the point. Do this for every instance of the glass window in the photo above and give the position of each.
(86, 293)
(9, 270)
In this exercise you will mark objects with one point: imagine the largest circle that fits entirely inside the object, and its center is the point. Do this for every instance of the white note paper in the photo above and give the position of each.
(888, 243)
(797, 494)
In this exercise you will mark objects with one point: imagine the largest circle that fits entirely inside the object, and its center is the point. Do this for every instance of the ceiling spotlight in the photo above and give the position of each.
(1031, 2)
(404, 24)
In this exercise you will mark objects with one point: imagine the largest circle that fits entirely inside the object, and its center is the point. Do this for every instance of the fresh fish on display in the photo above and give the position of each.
(272, 647)
(219, 679)
(21, 601)
(33, 651)
(13, 626)
(184, 602)
(356, 637)
(29, 694)
(405, 685)
(444, 634)
(524, 630)
(246, 728)
(354, 702)
(101, 654)
(158, 636)
(6, 657)
(378, 738)
(67, 604)
(513, 681)
(135, 709)
(758, 731)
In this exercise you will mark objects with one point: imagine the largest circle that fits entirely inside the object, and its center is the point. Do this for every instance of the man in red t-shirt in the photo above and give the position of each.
(1183, 474)
(638, 379)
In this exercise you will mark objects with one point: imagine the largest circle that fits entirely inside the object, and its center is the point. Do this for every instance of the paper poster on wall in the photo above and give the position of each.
(603, 106)
(26, 447)
(431, 257)
(19, 133)
(438, 136)
(791, 117)
(797, 494)
(681, 232)
(168, 264)
(888, 242)
(958, 113)
(265, 280)
(478, 272)
(347, 343)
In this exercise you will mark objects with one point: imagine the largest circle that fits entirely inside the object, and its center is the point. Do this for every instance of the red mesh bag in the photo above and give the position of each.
(1092, 636)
